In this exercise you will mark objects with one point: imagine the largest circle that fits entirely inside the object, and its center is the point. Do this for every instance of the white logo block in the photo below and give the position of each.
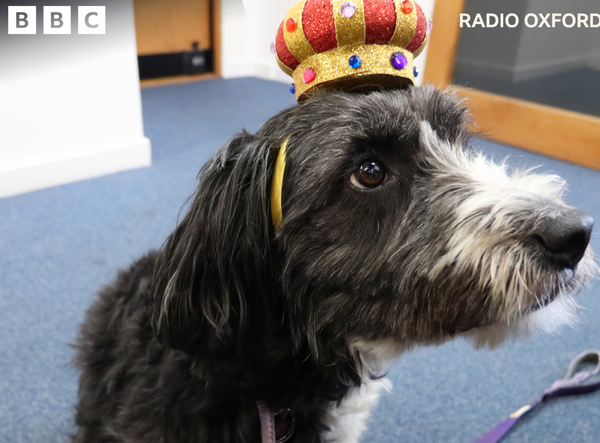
(57, 19)
(22, 20)
(91, 19)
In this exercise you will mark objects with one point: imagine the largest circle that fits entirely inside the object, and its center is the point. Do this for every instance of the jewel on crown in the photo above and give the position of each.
(340, 44)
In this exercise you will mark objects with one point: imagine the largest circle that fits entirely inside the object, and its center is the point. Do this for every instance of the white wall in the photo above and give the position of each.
(247, 29)
(70, 105)
(255, 23)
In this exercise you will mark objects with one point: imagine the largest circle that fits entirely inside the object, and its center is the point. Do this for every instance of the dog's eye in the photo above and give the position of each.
(369, 174)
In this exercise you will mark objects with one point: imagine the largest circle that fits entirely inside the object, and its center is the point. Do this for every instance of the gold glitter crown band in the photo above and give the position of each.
(346, 44)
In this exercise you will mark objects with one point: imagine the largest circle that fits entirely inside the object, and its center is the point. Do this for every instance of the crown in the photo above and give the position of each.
(348, 44)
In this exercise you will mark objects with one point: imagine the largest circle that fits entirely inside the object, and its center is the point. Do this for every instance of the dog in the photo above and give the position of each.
(394, 233)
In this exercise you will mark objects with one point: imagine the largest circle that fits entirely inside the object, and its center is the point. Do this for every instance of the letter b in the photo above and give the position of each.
(22, 20)
(57, 19)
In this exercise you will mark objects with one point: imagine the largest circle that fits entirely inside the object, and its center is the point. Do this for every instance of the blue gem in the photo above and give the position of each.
(399, 60)
(293, 88)
(416, 72)
(355, 62)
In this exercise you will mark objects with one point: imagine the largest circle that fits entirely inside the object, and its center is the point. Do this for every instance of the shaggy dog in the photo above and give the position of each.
(395, 234)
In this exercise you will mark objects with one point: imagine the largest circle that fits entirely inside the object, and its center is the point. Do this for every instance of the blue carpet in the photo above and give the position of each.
(58, 246)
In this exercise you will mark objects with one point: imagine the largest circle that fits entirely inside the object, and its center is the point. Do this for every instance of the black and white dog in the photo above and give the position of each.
(395, 234)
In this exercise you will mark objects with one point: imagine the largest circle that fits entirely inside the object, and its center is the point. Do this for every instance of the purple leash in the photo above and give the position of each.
(267, 424)
(571, 384)
(275, 427)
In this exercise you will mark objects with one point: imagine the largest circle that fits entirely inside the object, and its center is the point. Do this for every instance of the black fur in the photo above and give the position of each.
(229, 312)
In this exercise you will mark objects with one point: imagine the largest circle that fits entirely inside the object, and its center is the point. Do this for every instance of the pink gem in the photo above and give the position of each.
(348, 9)
(429, 26)
(272, 48)
(308, 75)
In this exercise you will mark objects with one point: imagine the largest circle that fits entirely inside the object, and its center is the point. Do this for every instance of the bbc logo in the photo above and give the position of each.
(57, 19)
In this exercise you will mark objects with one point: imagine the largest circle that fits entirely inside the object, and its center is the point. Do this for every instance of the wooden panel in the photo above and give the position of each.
(172, 25)
(550, 131)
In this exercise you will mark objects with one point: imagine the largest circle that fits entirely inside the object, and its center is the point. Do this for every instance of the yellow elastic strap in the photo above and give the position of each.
(277, 185)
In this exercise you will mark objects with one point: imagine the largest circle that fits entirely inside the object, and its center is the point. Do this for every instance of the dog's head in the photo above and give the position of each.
(394, 231)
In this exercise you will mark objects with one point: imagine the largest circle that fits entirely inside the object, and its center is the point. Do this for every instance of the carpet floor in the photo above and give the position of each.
(59, 246)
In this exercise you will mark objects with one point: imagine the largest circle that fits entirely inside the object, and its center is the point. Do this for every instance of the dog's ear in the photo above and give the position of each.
(217, 264)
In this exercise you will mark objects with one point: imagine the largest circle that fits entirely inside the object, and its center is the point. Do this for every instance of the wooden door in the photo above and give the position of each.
(175, 38)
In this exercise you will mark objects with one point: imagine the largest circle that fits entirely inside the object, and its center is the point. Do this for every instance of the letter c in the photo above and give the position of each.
(87, 20)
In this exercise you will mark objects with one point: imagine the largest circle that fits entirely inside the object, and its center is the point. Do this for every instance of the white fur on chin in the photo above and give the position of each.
(562, 311)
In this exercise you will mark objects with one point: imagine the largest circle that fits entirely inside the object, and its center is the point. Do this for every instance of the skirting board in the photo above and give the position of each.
(131, 154)
(253, 68)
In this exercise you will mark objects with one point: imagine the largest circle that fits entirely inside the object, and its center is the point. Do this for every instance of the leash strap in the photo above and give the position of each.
(267, 424)
(570, 384)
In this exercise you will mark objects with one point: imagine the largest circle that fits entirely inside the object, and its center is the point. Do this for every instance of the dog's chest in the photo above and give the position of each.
(348, 420)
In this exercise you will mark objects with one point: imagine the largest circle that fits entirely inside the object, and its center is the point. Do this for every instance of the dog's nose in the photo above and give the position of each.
(566, 236)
